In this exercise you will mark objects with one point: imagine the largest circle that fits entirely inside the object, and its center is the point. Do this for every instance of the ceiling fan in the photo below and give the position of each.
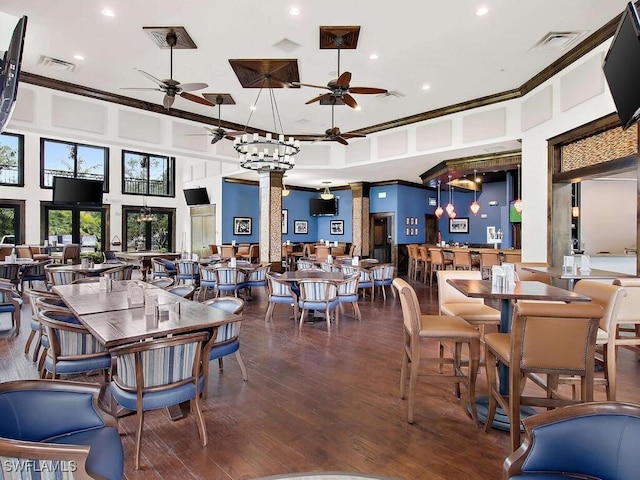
(219, 133)
(171, 87)
(333, 134)
(340, 88)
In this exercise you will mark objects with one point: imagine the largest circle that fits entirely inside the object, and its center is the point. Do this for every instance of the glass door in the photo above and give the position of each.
(10, 223)
(155, 235)
(81, 225)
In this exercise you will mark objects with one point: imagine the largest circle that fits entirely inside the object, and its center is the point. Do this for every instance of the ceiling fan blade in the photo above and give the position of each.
(190, 87)
(353, 135)
(215, 140)
(341, 140)
(318, 98)
(370, 90)
(234, 134)
(142, 88)
(298, 84)
(343, 80)
(168, 101)
(197, 99)
(349, 100)
(153, 79)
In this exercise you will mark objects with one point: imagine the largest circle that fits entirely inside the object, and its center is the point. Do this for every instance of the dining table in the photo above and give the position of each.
(90, 270)
(297, 275)
(144, 259)
(574, 274)
(506, 294)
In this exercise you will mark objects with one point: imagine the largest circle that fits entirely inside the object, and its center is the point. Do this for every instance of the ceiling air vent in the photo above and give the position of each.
(557, 40)
(286, 45)
(56, 64)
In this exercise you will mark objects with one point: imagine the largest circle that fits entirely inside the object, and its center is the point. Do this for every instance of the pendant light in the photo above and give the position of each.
(475, 206)
(285, 191)
(439, 210)
(450, 208)
(575, 209)
(517, 205)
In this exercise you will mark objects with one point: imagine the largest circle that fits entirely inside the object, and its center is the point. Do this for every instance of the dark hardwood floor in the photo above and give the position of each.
(317, 401)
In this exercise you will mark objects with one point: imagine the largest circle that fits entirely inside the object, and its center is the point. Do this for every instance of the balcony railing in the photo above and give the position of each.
(50, 173)
(139, 185)
(9, 174)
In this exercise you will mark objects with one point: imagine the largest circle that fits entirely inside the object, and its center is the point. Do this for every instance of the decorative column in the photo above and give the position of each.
(271, 217)
(360, 217)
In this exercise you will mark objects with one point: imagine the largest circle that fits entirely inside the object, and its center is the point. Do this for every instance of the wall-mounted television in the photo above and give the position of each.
(77, 191)
(9, 72)
(622, 67)
(196, 196)
(319, 206)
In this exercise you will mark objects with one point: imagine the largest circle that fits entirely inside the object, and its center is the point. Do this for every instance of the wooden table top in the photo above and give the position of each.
(577, 274)
(297, 275)
(120, 327)
(144, 255)
(94, 269)
(523, 290)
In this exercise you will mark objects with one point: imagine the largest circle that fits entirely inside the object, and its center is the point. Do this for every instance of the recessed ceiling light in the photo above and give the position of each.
(358, 107)
(108, 13)
(373, 56)
(294, 11)
(426, 86)
(253, 107)
(78, 57)
(482, 11)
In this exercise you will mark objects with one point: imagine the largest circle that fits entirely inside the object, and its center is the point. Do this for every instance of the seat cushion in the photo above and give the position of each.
(445, 326)
(472, 312)
(106, 457)
(500, 343)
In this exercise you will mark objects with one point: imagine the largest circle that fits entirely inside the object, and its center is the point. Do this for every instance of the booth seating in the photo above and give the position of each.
(589, 440)
(58, 425)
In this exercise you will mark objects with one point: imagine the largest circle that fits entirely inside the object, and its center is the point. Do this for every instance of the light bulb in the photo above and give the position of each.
(475, 207)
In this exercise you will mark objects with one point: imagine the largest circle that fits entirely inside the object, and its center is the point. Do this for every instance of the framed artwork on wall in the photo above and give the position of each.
(459, 225)
(300, 226)
(491, 234)
(337, 227)
(285, 221)
(242, 225)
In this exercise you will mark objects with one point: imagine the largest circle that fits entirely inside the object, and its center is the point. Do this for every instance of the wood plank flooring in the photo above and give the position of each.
(317, 401)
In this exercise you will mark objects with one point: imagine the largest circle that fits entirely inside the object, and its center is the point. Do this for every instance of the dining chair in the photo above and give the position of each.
(525, 275)
(10, 272)
(227, 339)
(511, 257)
(304, 264)
(162, 268)
(628, 331)
(365, 282)
(348, 292)
(208, 281)
(36, 327)
(487, 261)
(122, 272)
(23, 251)
(10, 302)
(424, 264)
(318, 294)
(227, 251)
(187, 270)
(330, 267)
(280, 293)
(162, 282)
(257, 277)
(71, 253)
(185, 291)
(420, 329)
(412, 260)
(58, 275)
(547, 339)
(109, 256)
(72, 348)
(158, 373)
(462, 259)
(230, 279)
(322, 253)
(438, 262)
(382, 276)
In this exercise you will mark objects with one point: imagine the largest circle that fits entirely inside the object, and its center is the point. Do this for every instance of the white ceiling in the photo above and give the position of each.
(443, 43)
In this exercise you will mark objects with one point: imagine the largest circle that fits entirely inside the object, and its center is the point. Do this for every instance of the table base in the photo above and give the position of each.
(501, 419)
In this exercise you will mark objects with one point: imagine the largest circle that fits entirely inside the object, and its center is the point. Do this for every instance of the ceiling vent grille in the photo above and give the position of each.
(287, 45)
(557, 40)
(56, 64)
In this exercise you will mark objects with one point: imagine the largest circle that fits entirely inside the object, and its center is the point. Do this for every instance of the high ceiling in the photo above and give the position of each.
(443, 44)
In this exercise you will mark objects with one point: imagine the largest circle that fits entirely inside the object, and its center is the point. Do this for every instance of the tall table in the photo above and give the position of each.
(576, 274)
(524, 290)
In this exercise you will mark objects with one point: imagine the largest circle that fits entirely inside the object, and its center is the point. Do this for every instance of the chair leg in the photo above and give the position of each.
(413, 380)
(243, 369)
(139, 436)
(327, 316)
(27, 345)
(202, 426)
(269, 314)
(403, 374)
(609, 355)
(356, 310)
(474, 364)
(304, 312)
(492, 383)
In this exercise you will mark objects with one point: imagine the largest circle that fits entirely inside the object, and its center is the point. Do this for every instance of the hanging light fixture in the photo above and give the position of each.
(271, 152)
(285, 190)
(439, 210)
(475, 206)
(145, 214)
(517, 205)
(450, 208)
(326, 194)
(575, 209)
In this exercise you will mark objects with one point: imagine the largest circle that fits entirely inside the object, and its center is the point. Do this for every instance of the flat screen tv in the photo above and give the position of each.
(622, 67)
(319, 206)
(77, 191)
(9, 72)
(196, 196)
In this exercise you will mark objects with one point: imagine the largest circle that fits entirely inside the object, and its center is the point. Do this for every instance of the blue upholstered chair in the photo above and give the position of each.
(185, 291)
(319, 295)
(207, 281)
(156, 374)
(60, 424)
(72, 349)
(122, 272)
(36, 328)
(365, 282)
(162, 268)
(280, 293)
(187, 271)
(162, 282)
(348, 292)
(258, 277)
(230, 279)
(382, 276)
(10, 302)
(227, 340)
(58, 276)
(589, 440)
(33, 272)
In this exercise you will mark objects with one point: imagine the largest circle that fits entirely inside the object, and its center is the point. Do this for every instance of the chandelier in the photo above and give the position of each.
(271, 151)
(145, 214)
(326, 194)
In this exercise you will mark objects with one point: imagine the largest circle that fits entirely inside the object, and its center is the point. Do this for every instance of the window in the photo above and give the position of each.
(68, 159)
(83, 225)
(155, 235)
(12, 160)
(11, 221)
(146, 174)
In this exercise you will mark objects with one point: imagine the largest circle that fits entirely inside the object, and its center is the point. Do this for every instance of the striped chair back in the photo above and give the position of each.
(278, 288)
(350, 284)
(318, 290)
(59, 276)
(122, 272)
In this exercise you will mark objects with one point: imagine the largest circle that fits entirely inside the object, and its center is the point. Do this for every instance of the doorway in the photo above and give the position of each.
(203, 229)
(382, 239)
(430, 229)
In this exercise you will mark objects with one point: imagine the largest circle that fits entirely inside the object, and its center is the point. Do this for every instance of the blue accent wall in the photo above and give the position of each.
(240, 201)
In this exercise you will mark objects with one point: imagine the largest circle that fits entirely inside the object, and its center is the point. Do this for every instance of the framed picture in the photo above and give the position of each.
(337, 227)
(242, 225)
(491, 234)
(459, 225)
(285, 221)
(300, 226)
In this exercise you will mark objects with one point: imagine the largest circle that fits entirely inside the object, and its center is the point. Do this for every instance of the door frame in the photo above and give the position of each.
(391, 217)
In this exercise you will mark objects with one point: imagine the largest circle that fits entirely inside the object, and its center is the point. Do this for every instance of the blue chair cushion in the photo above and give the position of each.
(65, 367)
(348, 298)
(542, 476)
(101, 441)
(319, 305)
(6, 308)
(155, 400)
(280, 300)
(219, 351)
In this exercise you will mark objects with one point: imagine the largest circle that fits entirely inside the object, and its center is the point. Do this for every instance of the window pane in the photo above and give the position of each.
(11, 167)
(90, 162)
(8, 225)
(147, 174)
(158, 176)
(135, 172)
(136, 233)
(60, 228)
(66, 159)
(160, 233)
(90, 231)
